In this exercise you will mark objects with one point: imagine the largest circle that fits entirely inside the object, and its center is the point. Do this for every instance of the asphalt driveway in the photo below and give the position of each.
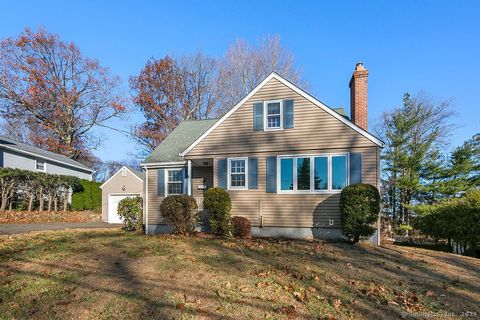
(15, 228)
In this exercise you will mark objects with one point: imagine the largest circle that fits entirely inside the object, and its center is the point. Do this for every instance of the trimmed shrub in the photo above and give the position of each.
(130, 209)
(241, 227)
(181, 212)
(87, 196)
(456, 219)
(360, 206)
(218, 205)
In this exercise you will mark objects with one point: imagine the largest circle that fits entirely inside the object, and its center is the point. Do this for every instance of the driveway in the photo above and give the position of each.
(15, 228)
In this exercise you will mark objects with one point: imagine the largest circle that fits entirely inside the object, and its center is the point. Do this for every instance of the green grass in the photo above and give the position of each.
(117, 275)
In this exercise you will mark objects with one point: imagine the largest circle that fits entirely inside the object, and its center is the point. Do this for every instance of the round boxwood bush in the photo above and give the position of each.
(241, 227)
(218, 205)
(181, 212)
(130, 209)
(359, 205)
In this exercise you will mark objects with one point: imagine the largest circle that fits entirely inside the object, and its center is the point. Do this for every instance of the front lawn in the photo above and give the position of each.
(110, 274)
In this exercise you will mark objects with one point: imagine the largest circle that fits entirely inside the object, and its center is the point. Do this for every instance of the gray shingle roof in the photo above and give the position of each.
(26, 148)
(178, 140)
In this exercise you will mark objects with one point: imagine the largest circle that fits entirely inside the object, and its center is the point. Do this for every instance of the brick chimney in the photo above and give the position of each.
(359, 96)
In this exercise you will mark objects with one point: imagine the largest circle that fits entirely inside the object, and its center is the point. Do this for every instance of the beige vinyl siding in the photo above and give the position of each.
(132, 185)
(154, 200)
(295, 210)
(292, 210)
(314, 128)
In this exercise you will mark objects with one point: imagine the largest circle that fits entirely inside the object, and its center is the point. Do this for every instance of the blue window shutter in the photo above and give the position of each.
(161, 182)
(252, 173)
(222, 173)
(258, 116)
(288, 114)
(185, 180)
(272, 174)
(355, 168)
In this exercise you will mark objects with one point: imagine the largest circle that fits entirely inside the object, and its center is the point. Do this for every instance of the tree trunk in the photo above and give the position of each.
(50, 201)
(41, 200)
(65, 201)
(3, 206)
(30, 203)
(55, 203)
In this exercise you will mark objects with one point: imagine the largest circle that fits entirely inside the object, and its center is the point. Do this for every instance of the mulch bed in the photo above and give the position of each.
(48, 216)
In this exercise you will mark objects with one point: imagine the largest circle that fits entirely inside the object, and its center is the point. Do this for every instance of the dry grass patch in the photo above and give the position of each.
(110, 274)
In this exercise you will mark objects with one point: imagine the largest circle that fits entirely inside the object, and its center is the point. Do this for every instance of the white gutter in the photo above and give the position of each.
(163, 164)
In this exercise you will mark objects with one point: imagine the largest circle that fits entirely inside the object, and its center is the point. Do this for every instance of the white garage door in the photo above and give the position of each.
(113, 201)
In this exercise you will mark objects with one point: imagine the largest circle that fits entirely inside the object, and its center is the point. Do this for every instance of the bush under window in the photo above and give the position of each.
(241, 227)
(218, 205)
(360, 206)
(130, 210)
(181, 212)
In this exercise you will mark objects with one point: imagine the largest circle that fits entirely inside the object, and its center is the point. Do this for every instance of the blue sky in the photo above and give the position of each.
(406, 45)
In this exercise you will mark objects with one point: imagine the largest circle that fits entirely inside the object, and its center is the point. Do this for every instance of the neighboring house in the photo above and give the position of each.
(283, 156)
(124, 183)
(14, 154)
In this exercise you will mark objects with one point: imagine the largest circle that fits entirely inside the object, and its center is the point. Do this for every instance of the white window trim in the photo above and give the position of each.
(229, 172)
(44, 166)
(167, 182)
(265, 115)
(329, 156)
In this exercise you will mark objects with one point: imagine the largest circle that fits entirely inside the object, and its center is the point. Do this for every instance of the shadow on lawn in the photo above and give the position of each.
(113, 272)
(118, 277)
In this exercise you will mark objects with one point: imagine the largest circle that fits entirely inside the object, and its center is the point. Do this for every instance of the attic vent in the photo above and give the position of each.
(124, 172)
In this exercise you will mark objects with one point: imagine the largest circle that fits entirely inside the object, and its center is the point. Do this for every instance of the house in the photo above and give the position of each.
(125, 183)
(283, 155)
(15, 154)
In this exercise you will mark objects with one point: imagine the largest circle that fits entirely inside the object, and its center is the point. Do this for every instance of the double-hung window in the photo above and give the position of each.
(273, 116)
(40, 165)
(313, 173)
(237, 173)
(174, 181)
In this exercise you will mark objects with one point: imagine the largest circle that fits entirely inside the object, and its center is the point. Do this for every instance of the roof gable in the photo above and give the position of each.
(135, 173)
(335, 113)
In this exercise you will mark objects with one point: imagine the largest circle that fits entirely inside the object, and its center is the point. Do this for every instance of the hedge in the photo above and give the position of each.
(87, 197)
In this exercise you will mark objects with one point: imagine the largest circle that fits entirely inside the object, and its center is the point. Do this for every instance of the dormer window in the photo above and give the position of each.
(274, 115)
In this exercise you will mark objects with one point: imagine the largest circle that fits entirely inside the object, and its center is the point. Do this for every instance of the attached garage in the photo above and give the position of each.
(123, 184)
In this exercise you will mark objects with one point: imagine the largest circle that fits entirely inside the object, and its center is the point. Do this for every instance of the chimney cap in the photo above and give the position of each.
(359, 66)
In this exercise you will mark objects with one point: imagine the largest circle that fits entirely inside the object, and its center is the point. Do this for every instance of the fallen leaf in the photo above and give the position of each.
(180, 305)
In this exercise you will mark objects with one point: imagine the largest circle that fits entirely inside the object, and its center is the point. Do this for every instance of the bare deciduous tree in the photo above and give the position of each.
(56, 92)
(245, 65)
